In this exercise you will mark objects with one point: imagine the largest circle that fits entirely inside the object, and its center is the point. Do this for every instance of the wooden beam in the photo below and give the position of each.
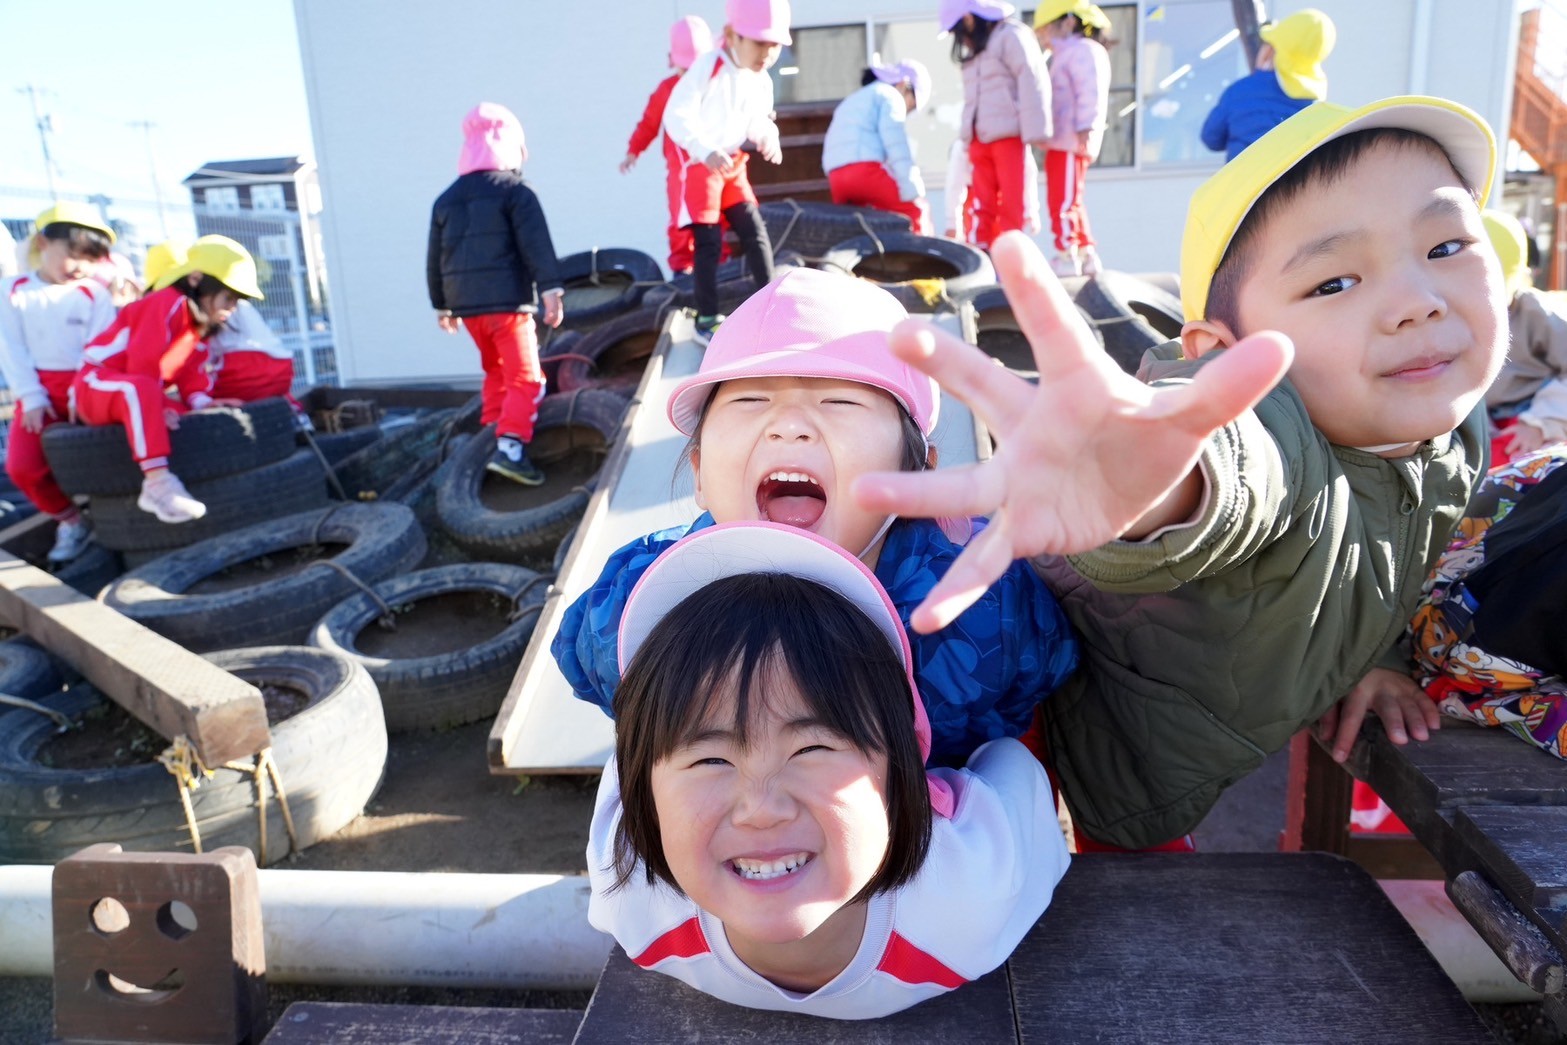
(164, 685)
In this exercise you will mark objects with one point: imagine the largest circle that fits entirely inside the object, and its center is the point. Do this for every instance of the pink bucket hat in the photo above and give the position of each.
(952, 11)
(492, 140)
(911, 72)
(808, 323)
(734, 549)
(688, 38)
(765, 20)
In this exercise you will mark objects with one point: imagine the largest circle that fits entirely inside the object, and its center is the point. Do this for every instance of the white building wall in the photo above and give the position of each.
(389, 83)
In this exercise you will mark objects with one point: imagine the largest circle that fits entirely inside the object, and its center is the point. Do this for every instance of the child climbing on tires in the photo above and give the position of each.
(159, 343)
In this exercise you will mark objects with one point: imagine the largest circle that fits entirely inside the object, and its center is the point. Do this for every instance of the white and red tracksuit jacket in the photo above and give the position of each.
(992, 869)
(716, 106)
(45, 326)
(652, 123)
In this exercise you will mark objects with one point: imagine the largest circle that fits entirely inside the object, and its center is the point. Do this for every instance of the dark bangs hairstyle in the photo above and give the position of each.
(726, 642)
(203, 288)
(966, 43)
(1327, 164)
(81, 241)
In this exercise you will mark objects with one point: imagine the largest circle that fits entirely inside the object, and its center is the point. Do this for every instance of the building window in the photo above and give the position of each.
(266, 197)
(1188, 53)
(823, 64)
(223, 199)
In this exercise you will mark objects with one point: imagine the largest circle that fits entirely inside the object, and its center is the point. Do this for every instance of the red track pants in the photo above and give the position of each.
(1065, 174)
(513, 380)
(996, 188)
(869, 184)
(103, 397)
(24, 452)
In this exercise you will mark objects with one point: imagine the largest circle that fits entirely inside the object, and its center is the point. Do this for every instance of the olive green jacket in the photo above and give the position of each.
(1206, 647)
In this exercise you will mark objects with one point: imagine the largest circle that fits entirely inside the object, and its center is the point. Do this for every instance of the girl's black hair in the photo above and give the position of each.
(728, 642)
(868, 77)
(81, 241)
(204, 288)
(966, 43)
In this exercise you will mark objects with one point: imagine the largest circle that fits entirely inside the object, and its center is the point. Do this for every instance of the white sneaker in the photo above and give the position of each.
(1088, 259)
(166, 497)
(1065, 264)
(70, 540)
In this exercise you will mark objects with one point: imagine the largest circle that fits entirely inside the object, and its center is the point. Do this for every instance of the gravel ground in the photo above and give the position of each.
(441, 810)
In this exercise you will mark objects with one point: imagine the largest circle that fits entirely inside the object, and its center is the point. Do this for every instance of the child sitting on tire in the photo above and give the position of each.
(47, 316)
(158, 343)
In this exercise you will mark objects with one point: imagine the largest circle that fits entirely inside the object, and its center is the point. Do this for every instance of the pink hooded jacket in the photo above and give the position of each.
(492, 140)
(1005, 91)
(1079, 93)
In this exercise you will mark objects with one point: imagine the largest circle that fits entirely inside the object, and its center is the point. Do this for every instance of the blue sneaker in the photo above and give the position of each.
(705, 327)
(511, 460)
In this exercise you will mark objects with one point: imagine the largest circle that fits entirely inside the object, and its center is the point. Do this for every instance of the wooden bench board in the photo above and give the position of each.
(542, 727)
(1230, 947)
(341, 1023)
(1524, 849)
(171, 690)
(1462, 764)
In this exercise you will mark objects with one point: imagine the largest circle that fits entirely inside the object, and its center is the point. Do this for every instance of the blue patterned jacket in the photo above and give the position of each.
(980, 677)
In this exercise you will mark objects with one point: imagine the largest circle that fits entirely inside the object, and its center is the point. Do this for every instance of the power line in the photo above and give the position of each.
(45, 127)
(152, 167)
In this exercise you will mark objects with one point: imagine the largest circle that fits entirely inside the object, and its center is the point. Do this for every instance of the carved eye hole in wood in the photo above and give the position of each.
(109, 916)
(176, 920)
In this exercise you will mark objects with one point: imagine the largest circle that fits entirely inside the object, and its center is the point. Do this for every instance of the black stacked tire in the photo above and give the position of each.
(614, 354)
(27, 671)
(573, 425)
(294, 484)
(998, 335)
(603, 283)
(448, 688)
(330, 756)
(812, 229)
(208, 444)
(382, 540)
(925, 273)
(1131, 314)
(375, 469)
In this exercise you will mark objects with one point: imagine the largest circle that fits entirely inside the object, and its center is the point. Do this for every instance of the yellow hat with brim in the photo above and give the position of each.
(162, 259)
(1300, 44)
(1088, 14)
(1512, 248)
(225, 260)
(1222, 202)
(69, 213)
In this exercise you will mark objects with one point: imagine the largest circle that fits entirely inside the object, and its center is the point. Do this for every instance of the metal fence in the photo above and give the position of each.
(285, 244)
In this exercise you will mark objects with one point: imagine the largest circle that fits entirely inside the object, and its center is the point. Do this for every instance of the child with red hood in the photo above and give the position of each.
(688, 38)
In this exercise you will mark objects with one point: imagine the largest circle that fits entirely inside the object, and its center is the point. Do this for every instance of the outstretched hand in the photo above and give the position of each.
(1393, 697)
(1083, 458)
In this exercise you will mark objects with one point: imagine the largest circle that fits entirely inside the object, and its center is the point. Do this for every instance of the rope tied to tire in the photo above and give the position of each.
(795, 211)
(59, 718)
(518, 611)
(187, 769)
(388, 618)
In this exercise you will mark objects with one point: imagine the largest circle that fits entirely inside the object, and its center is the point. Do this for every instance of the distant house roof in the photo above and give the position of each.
(275, 168)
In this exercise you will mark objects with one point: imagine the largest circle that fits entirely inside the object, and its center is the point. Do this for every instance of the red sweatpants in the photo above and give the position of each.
(682, 245)
(869, 184)
(996, 187)
(136, 401)
(249, 376)
(706, 194)
(1065, 174)
(24, 452)
(513, 379)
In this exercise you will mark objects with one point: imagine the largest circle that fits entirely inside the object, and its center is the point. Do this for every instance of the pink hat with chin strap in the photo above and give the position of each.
(808, 323)
(735, 549)
(952, 11)
(492, 140)
(688, 38)
(764, 20)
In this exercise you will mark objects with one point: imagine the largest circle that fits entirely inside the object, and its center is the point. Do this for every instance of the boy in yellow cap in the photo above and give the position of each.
(1528, 402)
(157, 344)
(1288, 78)
(47, 316)
(1240, 553)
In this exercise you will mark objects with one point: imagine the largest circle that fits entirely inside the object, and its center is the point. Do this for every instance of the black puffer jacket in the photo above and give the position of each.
(490, 248)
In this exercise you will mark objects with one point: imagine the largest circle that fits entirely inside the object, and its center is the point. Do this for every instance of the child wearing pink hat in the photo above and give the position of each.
(1006, 108)
(722, 102)
(490, 267)
(761, 660)
(688, 38)
(798, 395)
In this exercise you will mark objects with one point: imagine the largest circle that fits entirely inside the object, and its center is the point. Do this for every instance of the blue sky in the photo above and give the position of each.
(218, 81)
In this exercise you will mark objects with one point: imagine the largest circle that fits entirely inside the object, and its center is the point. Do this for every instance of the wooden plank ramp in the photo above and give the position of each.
(171, 690)
(643, 487)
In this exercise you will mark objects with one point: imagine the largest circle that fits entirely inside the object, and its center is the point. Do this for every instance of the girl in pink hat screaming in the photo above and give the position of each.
(689, 38)
(796, 397)
(767, 831)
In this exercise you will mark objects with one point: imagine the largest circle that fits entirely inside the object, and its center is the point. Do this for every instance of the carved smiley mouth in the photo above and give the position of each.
(792, 498)
(166, 985)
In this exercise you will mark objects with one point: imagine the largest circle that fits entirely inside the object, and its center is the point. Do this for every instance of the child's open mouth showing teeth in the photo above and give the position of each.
(791, 498)
(763, 870)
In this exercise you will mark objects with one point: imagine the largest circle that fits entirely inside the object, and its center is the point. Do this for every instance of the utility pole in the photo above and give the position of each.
(41, 119)
(152, 167)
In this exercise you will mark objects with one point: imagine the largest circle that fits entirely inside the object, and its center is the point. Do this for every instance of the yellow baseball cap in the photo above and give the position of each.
(225, 260)
(82, 214)
(1087, 13)
(1300, 43)
(162, 259)
(1511, 246)
(1222, 202)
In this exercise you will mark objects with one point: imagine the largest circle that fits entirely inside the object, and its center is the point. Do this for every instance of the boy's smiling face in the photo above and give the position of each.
(1383, 280)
